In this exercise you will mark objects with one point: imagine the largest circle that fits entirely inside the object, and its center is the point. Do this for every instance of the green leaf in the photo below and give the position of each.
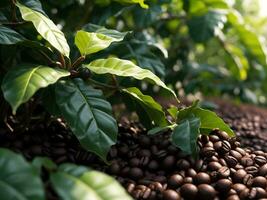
(9, 36)
(149, 105)
(203, 28)
(18, 179)
(47, 29)
(73, 182)
(248, 37)
(158, 130)
(39, 162)
(88, 115)
(140, 2)
(20, 83)
(173, 111)
(49, 99)
(125, 68)
(34, 4)
(185, 135)
(209, 120)
(89, 43)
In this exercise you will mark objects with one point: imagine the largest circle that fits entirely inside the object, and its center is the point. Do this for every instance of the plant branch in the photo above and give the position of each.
(62, 60)
(78, 62)
(13, 8)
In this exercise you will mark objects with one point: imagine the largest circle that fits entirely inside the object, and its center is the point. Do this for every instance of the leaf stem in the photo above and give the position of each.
(13, 8)
(62, 60)
(78, 62)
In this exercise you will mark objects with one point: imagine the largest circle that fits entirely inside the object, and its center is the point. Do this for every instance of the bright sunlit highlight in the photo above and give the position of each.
(263, 8)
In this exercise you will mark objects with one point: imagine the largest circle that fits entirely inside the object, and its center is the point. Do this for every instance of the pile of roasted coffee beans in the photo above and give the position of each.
(152, 168)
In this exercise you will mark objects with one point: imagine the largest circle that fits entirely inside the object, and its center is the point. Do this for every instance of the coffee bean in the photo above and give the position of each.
(231, 161)
(244, 194)
(201, 177)
(114, 168)
(134, 162)
(224, 172)
(251, 170)
(188, 191)
(144, 141)
(144, 153)
(239, 175)
(191, 172)
(135, 173)
(199, 164)
(169, 162)
(259, 181)
(236, 154)
(261, 193)
(233, 197)
(153, 165)
(214, 166)
(223, 185)
(206, 192)
(146, 193)
(241, 151)
(214, 138)
(223, 135)
(207, 152)
(260, 160)
(161, 154)
(246, 161)
(171, 195)
(239, 187)
(130, 187)
(188, 179)
(248, 180)
(183, 164)
(263, 170)
(175, 181)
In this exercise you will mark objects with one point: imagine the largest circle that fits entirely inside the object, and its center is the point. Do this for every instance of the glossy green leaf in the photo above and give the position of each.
(18, 179)
(125, 68)
(39, 162)
(20, 83)
(248, 37)
(46, 28)
(88, 114)
(9, 36)
(89, 43)
(149, 105)
(158, 130)
(185, 135)
(140, 2)
(73, 182)
(173, 111)
(209, 120)
(203, 28)
(201, 7)
(33, 4)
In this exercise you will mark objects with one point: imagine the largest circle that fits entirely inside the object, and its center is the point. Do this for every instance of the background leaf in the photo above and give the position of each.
(9, 36)
(18, 179)
(73, 182)
(88, 114)
(20, 83)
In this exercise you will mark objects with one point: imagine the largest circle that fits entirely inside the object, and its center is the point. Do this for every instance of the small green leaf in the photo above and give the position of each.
(185, 135)
(88, 114)
(140, 2)
(39, 162)
(158, 130)
(18, 179)
(125, 68)
(209, 120)
(47, 29)
(20, 83)
(9, 36)
(173, 111)
(150, 106)
(89, 43)
(73, 182)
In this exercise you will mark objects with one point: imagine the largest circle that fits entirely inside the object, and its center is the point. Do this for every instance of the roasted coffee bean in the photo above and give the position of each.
(261, 193)
(231, 161)
(157, 186)
(144, 141)
(223, 185)
(222, 162)
(189, 191)
(224, 172)
(214, 175)
(153, 165)
(207, 152)
(233, 197)
(251, 170)
(204, 139)
(263, 170)
(214, 138)
(214, 166)
(171, 195)
(244, 194)
(259, 181)
(169, 162)
(239, 187)
(248, 180)
(135, 173)
(144, 161)
(188, 179)
(146, 193)
(161, 154)
(236, 154)
(175, 181)
(134, 162)
(246, 161)
(144, 153)
(199, 164)
(260, 160)
(115, 168)
(239, 175)
(130, 187)
(183, 164)
(201, 177)
(191, 172)
(206, 192)
(223, 135)
(241, 151)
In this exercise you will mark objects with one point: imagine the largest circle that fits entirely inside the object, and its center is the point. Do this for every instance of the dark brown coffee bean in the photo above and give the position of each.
(114, 168)
(175, 181)
(248, 180)
(244, 194)
(188, 179)
(206, 192)
(204, 139)
(263, 170)
(239, 187)
(260, 160)
(144, 141)
(157, 186)
(169, 162)
(189, 191)
(239, 175)
(214, 138)
(231, 161)
(223, 135)
(259, 181)
(214, 175)
(183, 164)
(134, 162)
(236, 154)
(171, 195)
(233, 197)
(201, 177)
(241, 151)
(191, 172)
(123, 150)
(246, 161)
(261, 193)
(161, 154)
(251, 170)
(144, 153)
(144, 161)
(222, 162)
(214, 166)
(207, 152)
(199, 164)
(135, 173)
(223, 185)
(224, 172)
(161, 179)
(153, 165)
(130, 187)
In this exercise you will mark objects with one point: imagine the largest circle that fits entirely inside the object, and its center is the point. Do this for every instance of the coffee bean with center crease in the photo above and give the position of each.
(239, 187)
(223, 185)
(223, 135)
(259, 181)
(175, 181)
(263, 170)
(248, 180)
(207, 152)
(201, 177)
(231, 161)
(224, 172)
(171, 195)
(214, 166)
(183, 164)
(236, 154)
(260, 160)
(206, 192)
(261, 193)
(239, 175)
(189, 191)
(246, 161)
(251, 170)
